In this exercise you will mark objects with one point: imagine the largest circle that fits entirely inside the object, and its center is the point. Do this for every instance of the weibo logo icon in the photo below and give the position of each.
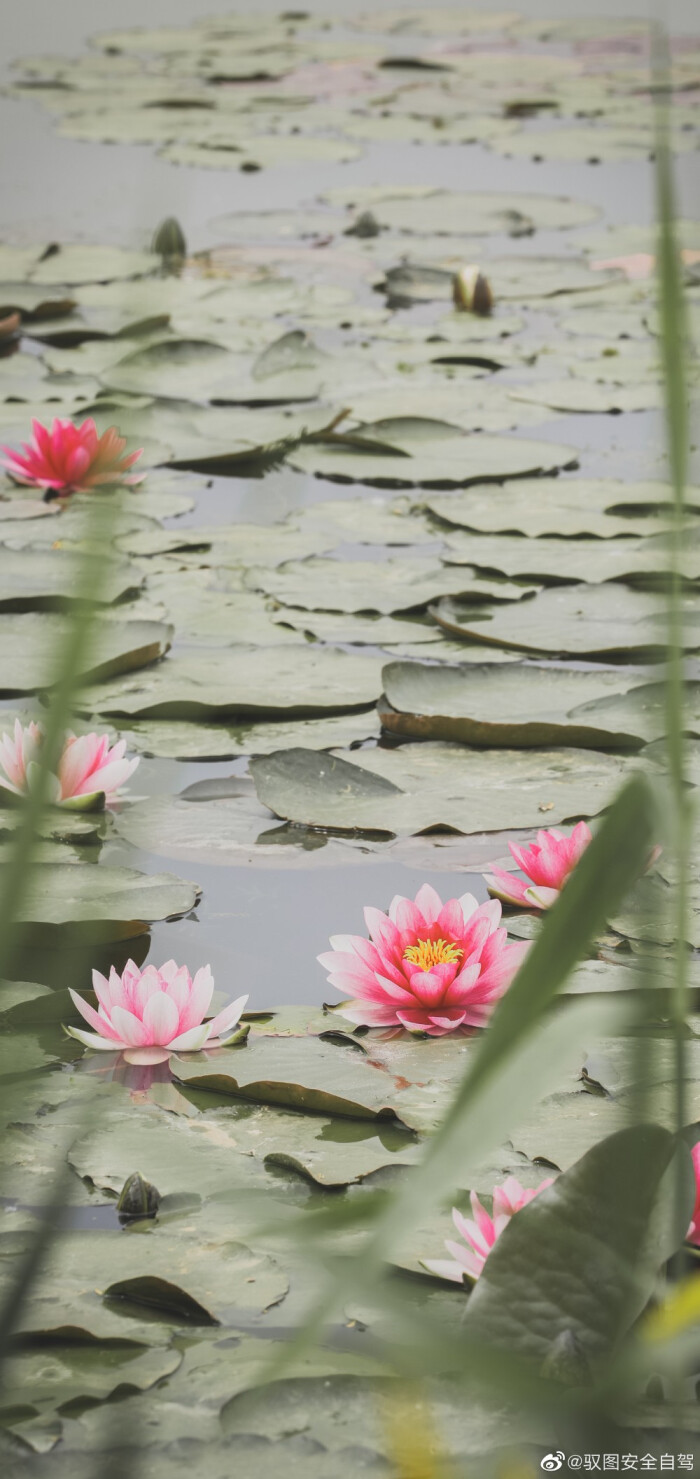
(553, 1461)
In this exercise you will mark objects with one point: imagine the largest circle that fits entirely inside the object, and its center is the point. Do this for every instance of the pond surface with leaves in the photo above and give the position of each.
(389, 595)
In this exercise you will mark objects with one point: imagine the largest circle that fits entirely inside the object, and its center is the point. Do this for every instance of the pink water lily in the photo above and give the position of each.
(480, 1234)
(428, 966)
(71, 459)
(693, 1233)
(88, 768)
(152, 1013)
(547, 863)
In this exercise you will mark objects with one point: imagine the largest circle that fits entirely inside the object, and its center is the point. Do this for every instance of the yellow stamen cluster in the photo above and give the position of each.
(427, 953)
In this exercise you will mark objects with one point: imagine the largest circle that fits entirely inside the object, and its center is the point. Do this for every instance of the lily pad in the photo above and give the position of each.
(154, 1272)
(35, 580)
(561, 560)
(61, 1376)
(120, 901)
(435, 786)
(30, 643)
(606, 621)
(447, 462)
(385, 586)
(515, 704)
(562, 506)
(405, 1081)
(249, 682)
(585, 397)
(232, 1145)
(73, 264)
(427, 211)
(180, 739)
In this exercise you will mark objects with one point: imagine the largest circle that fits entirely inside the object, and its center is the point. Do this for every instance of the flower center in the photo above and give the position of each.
(427, 953)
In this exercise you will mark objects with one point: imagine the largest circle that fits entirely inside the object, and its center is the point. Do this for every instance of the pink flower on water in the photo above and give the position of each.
(547, 863)
(693, 1233)
(71, 459)
(428, 966)
(88, 768)
(481, 1233)
(153, 1013)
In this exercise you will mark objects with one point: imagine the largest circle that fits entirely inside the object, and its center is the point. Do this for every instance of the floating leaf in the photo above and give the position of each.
(36, 579)
(449, 461)
(180, 739)
(420, 787)
(605, 621)
(29, 644)
(249, 682)
(515, 704)
(428, 211)
(118, 900)
(385, 586)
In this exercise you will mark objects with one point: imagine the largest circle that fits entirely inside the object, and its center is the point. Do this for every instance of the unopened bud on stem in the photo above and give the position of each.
(471, 291)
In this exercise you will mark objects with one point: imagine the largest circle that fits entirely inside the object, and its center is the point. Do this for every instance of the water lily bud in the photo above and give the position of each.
(365, 225)
(471, 291)
(169, 239)
(137, 1198)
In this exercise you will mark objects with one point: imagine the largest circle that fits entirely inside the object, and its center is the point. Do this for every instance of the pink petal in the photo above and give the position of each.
(225, 1020)
(93, 1040)
(429, 903)
(129, 1027)
(101, 1025)
(200, 998)
(160, 1019)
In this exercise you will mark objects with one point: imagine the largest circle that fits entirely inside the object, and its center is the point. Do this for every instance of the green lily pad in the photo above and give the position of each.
(562, 506)
(592, 144)
(231, 831)
(120, 900)
(36, 579)
(151, 1271)
(434, 785)
(514, 704)
(581, 396)
(62, 1376)
(428, 211)
(561, 560)
(250, 682)
(648, 913)
(451, 461)
(603, 621)
(374, 520)
(364, 628)
(385, 586)
(180, 739)
(233, 1145)
(73, 264)
(405, 1080)
(260, 151)
(30, 644)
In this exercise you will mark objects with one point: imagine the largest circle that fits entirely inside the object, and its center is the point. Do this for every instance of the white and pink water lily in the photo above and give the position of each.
(480, 1234)
(150, 1014)
(89, 768)
(546, 863)
(427, 966)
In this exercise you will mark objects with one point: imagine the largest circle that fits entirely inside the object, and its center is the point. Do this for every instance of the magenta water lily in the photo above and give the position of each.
(71, 459)
(427, 966)
(481, 1231)
(89, 766)
(548, 862)
(152, 1013)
